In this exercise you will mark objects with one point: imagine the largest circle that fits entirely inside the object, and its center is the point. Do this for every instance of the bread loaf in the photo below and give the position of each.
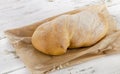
(70, 31)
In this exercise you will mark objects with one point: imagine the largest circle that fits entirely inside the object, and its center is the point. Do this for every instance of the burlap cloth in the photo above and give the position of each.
(39, 63)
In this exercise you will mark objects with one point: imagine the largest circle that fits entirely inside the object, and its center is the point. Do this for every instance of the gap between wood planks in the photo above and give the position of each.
(13, 70)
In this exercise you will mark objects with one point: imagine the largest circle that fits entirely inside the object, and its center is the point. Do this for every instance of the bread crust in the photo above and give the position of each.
(80, 29)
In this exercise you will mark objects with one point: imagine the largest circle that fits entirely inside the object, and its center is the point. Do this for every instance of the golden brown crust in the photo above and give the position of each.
(81, 29)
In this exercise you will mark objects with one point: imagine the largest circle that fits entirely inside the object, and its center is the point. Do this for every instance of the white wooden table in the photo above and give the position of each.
(17, 13)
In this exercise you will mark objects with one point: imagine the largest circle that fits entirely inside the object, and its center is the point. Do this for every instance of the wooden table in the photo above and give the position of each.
(17, 13)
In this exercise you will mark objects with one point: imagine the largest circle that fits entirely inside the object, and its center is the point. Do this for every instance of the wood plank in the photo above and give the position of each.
(115, 12)
(9, 60)
(21, 14)
(18, 71)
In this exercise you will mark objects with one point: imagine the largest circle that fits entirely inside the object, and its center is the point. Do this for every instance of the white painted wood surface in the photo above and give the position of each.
(17, 13)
